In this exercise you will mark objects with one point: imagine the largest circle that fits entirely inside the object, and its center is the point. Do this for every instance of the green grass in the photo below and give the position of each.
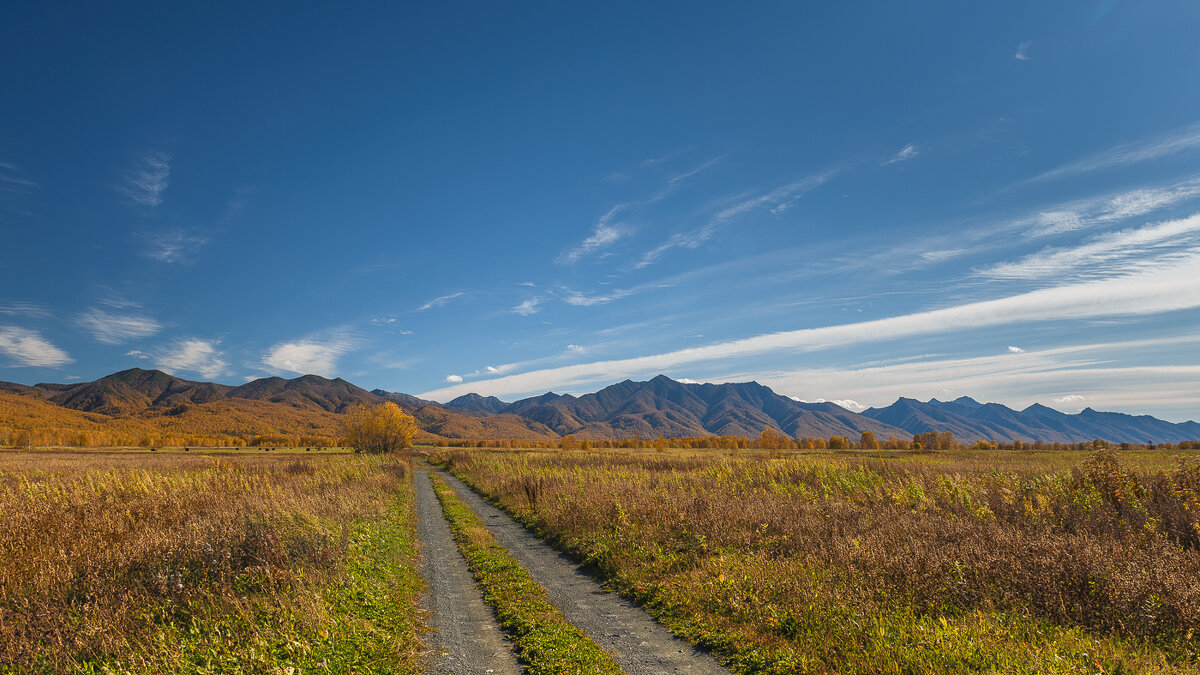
(543, 637)
(362, 620)
(806, 565)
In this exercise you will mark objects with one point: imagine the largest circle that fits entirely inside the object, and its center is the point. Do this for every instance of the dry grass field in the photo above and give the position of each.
(184, 562)
(883, 562)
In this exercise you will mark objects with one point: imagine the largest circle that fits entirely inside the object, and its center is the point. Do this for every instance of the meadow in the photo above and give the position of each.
(174, 562)
(882, 562)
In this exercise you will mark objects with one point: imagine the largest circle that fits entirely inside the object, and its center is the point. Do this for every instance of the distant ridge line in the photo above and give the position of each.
(627, 409)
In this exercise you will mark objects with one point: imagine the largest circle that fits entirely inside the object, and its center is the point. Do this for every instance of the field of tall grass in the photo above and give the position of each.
(141, 562)
(883, 562)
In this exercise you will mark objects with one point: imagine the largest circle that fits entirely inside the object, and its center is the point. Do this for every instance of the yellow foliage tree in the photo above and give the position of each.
(380, 428)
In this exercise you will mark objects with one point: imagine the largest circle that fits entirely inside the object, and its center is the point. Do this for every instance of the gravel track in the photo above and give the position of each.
(467, 640)
(634, 639)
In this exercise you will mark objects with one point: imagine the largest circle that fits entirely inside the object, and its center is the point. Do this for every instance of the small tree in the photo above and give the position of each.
(868, 442)
(380, 428)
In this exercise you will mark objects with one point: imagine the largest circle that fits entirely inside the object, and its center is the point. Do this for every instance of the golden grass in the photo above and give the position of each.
(145, 562)
(884, 562)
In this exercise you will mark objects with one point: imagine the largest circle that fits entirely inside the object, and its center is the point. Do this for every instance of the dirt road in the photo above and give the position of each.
(466, 640)
(637, 643)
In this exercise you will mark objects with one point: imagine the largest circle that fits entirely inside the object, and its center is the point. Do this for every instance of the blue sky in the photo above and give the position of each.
(843, 201)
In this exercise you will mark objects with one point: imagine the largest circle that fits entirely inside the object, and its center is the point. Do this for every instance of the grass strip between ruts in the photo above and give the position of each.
(543, 637)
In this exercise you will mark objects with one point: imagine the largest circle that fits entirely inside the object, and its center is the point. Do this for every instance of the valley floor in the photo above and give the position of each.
(775, 562)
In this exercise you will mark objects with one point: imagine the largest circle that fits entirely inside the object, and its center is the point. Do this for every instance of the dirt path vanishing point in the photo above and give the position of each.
(467, 640)
(634, 639)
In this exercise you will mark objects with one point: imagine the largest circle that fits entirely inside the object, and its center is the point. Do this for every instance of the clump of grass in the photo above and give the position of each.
(911, 564)
(181, 563)
(543, 637)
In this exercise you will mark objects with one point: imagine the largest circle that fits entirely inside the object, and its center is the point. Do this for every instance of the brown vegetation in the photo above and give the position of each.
(767, 560)
(132, 559)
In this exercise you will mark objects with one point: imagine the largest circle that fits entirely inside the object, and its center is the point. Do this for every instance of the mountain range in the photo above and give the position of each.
(660, 406)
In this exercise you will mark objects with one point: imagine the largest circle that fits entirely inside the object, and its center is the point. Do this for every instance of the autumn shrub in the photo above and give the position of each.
(751, 555)
(105, 555)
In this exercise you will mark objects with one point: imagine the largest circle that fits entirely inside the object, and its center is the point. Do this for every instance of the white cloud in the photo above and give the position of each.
(112, 329)
(907, 152)
(574, 348)
(193, 355)
(1111, 208)
(313, 355)
(1050, 375)
(173, 246)
(1166, 288)
(690, 239)
(1175, 142)
(603, 236)
(491, 370)
(580, 300)
(1122, 249)
(454, 379)
(1015, 350)
(147, 181)
(1057, 219)
(28, 309)
(776, 201)
(439, 301)
(606, 232)
(28, 348)
(528, 307)
(12, 179)
(1023, 51)
(849, 404)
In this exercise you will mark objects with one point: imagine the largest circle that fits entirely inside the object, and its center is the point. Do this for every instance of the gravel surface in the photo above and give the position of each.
(633, 638)
(467, 640)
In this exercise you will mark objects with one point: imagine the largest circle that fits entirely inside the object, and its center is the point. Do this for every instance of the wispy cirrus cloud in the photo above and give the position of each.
(1123, 249)
(193, 355)
(1055, 375)
(603, 235)
(529, 307)
(25, 347)
(113, 328)
(570, 353)
(173, 246)
(1023, 51)
(1166, 288)
(12, 179)
(439, 301)
(904, 154)
(1048, 221)
(776, 201)
(581, 300)
(316, 354)
(608, 230)
(1175, 142)
(1111, 208)
(27, 309)
(148, 179)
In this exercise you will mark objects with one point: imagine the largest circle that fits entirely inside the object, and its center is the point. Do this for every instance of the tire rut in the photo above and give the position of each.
(467, 640)
(634, 639)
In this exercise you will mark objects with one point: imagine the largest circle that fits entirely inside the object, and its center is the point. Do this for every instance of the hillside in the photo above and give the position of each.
(664, 406)
(971, 421)
(149, 406)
